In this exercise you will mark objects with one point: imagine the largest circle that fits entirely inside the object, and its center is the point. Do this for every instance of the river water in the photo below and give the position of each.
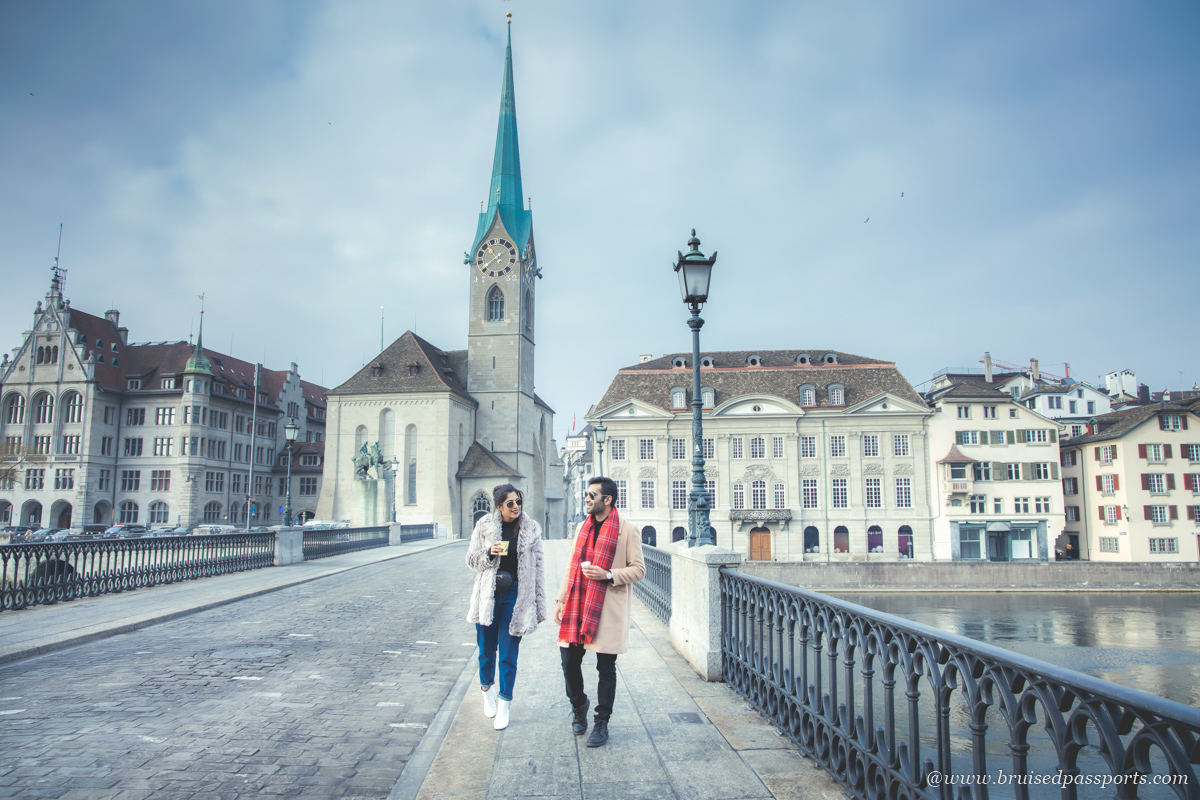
(1147, 641)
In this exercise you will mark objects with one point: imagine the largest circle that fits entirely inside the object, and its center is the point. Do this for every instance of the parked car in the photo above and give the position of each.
(95, 529)
(126, 531)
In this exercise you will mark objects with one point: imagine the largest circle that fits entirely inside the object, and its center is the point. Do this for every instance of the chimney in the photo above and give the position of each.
(987, 367)
(1143, 394)
(1034, 374)
(113, 316)
(644, 357)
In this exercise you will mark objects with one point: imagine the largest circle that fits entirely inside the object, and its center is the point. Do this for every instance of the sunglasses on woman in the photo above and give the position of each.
(512, 503)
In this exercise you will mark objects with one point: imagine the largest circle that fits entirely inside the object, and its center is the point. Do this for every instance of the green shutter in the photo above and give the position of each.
(958, 437)
(983, 437)
(1054, 470)
(1026, 471)
(999, 471)
(1053, 435)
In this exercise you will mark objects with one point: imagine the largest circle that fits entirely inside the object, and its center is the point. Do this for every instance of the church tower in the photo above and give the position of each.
(503, 270)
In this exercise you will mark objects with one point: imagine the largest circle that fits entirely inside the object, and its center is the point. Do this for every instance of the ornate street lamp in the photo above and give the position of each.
(291, 431)
(695, 272)
(395, 464)
(601, 432)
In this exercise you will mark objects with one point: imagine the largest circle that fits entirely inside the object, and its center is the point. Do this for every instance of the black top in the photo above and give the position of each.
(508, 562)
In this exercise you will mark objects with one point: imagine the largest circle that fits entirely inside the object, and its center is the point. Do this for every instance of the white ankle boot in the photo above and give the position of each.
(501, 714)
(489, 702)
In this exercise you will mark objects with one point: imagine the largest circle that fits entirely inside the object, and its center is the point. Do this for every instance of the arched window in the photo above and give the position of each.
(461, 443)
(235, 514)
(758, 495)
(708, 397)
(360, 436)
(905, 537)
(678, 535)
(14, 410)
(481, 506)
(5, 512)
(212, 512)
(31, 513)
(528, 312)
(808, 395)
(841, 539)
(812, 540)
(678, 398)
(495, 305)
(650, 536)
(43, 408)
(874, 539)
(160, 513)
(410, 458)
(837, 395)
(128, 511)
(74, 403)
(387, 433)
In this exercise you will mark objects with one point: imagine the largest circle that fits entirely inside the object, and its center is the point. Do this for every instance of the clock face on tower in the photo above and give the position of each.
(496, 257)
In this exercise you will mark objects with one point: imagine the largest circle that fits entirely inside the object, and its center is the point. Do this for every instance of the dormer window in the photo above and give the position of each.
(708, 397)
(167, 383)
(808, 395)
(706, 361)
(837, 395)
(753, 361)
(133, 384)
(413, 369)
(830, 358)
(679, 362)
(803, 359)
(678, 398)
(376, 371)
(114, 347)
(310, 460)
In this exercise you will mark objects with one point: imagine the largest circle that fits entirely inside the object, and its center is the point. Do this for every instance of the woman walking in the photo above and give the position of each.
(509, 597)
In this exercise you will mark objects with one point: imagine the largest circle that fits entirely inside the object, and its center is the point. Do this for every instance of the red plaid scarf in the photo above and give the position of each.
(585, 598)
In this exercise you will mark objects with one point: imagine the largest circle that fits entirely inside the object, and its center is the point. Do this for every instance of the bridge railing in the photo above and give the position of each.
(895, 709)
(325, 543)
(49, 572)
(655, 589)
(413, 533)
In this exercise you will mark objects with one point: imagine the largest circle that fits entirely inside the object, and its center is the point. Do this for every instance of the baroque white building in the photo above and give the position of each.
(455, 423)
(814, 455)
(97, 430)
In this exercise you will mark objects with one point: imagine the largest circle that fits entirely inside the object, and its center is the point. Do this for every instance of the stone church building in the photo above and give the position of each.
(451, 424)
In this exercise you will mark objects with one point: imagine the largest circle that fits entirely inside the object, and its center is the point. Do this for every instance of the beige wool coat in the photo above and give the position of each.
(612, 635)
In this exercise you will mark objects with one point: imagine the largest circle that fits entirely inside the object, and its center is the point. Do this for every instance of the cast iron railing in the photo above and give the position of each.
(655, 589)
(865, 693)
(47, 572)
(322, 544)
(412, 533)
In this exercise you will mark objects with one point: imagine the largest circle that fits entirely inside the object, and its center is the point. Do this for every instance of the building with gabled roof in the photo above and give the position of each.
(98, 430)
(813, 455)
(453, 424)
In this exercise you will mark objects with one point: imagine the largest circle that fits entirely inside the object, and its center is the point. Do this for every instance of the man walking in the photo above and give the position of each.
(594, 604)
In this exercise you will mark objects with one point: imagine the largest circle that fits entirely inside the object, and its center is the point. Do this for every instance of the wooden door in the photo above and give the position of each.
(760, 544)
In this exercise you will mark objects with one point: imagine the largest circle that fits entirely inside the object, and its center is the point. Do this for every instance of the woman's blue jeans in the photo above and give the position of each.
(495, 639)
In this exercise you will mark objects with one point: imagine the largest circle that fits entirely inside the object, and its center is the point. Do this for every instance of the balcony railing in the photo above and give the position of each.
(894, 709)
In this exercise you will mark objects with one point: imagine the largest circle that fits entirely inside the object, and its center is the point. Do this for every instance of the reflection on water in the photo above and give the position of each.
(1145, 641)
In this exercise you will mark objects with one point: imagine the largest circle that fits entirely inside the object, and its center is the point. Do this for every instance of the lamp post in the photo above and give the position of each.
(395, 479)
(291, 431)
(695, 272)
(601, 432)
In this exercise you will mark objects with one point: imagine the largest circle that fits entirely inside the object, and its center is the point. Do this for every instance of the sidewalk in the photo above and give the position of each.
(42, 629)
(672, 735)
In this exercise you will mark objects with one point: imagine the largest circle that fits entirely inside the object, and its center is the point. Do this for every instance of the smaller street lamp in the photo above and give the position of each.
(395, 465)
(291, 431)
(601, 432)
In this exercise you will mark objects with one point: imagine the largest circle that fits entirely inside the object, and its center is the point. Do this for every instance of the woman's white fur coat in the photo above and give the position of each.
(530, 608)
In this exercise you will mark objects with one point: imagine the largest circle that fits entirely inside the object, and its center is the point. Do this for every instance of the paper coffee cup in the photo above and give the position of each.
(503, 548)
(585, 563)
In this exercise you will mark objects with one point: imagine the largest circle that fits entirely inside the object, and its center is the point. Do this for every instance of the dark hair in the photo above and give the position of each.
(607, 487)
(501, 493)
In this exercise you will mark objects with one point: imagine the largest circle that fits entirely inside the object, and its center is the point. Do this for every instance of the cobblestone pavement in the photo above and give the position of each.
(321, 690)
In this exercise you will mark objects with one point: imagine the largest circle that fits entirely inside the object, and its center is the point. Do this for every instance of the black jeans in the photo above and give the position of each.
(606, 690)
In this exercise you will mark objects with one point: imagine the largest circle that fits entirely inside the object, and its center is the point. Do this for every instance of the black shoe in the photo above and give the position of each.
(579, 718)
(599, 733)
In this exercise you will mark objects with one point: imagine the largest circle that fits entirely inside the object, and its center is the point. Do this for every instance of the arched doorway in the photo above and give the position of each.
(905, 541)
(760, 544)
(102, 513)
(841, 539)
(304, 516)
(650, 536)
(480, 506)
(679, 534)
(31, 513)
(60, 514)
(812, 539)
(5, 512)
(874, 539)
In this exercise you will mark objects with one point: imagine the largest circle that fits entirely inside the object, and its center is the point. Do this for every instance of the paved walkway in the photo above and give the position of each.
(672, 735)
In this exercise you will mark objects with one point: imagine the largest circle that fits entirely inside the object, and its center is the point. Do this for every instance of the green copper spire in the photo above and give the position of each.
(198, 361)
(506, 197)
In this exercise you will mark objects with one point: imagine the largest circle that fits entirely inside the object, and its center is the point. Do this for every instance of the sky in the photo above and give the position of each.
(919, 182)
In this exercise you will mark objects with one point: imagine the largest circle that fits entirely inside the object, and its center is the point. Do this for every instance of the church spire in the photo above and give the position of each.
(505, 197)
(198, 361)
